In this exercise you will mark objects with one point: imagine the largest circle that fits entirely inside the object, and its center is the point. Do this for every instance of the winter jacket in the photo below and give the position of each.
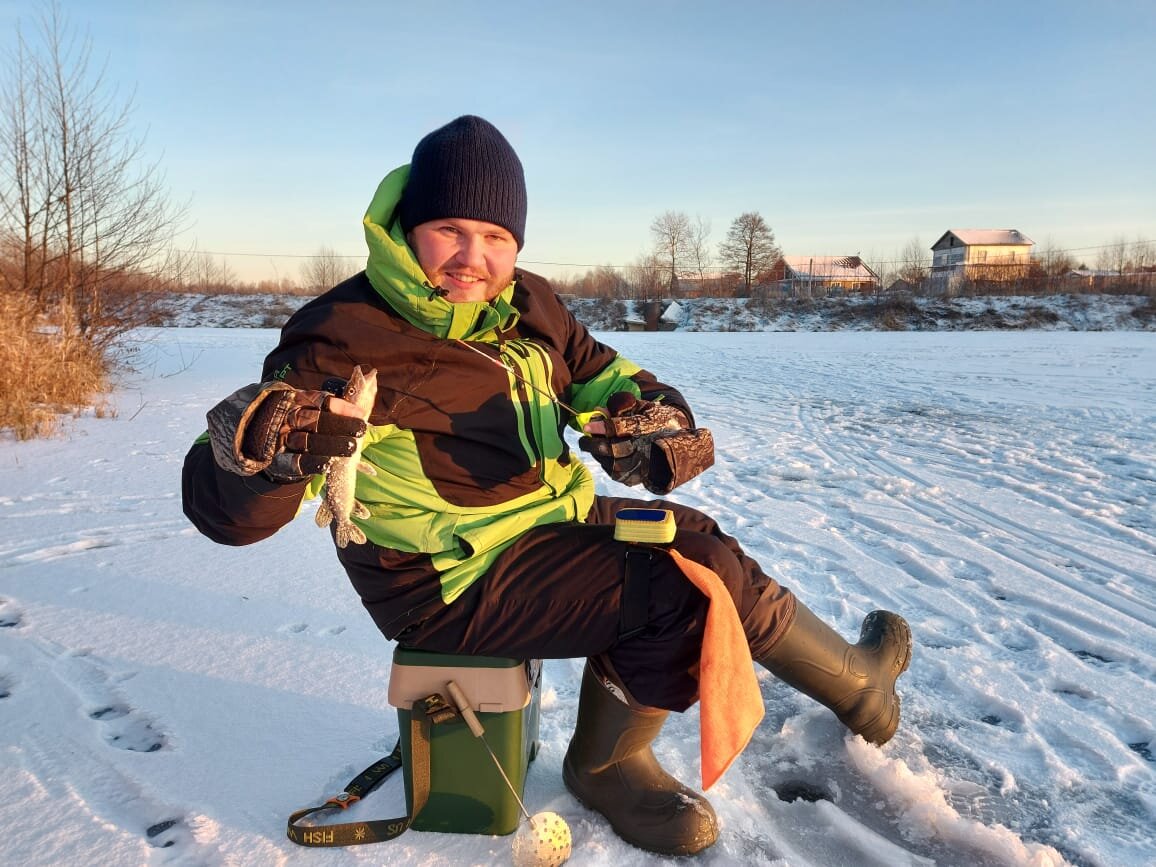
(465, 438)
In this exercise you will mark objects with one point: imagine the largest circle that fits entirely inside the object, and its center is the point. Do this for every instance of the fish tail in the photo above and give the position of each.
(324, 516)
(349, 532)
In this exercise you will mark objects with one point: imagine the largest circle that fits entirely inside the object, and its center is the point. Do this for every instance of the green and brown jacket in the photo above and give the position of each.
(468, 456)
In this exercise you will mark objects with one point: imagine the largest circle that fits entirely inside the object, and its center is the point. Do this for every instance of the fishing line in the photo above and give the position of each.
(498, 361)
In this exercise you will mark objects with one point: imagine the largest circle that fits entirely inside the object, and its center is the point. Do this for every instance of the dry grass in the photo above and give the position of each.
(1145, 312)
(46, 373)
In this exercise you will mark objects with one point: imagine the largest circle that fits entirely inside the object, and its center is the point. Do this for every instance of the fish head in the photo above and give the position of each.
(361, 389)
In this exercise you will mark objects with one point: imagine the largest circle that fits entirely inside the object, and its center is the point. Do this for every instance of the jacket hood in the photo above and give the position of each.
(394, 272)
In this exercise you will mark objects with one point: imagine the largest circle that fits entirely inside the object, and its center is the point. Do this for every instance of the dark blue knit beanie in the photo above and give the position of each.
(466, 169)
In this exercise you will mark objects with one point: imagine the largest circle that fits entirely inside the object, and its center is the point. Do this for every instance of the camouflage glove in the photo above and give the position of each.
(649, 443)
(286, 433)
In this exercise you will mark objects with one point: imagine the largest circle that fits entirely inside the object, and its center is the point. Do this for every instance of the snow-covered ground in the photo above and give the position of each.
(167, 701)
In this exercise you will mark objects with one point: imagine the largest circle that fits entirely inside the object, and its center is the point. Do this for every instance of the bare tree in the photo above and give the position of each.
(914, 263)
(672, 234)
(698, 248)
(94, 221)
(180, 267)
(1141, 255)
(325, 269)
(1130, 265)
(22, 204)
(210, 276)
(1053, 264)
(749, 248)
(1140, 267)
(884, 269)
(645, 276)
(604, 281)
(1114, 256)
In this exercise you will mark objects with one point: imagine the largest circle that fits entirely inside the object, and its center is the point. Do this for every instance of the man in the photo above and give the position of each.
(484, 532)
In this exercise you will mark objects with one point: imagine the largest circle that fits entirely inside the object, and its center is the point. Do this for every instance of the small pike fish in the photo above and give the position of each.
(338, 502)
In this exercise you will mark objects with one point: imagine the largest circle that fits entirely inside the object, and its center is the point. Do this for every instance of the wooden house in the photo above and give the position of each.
(980, 255)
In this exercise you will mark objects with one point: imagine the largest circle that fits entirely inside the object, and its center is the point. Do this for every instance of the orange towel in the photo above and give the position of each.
(730, 703)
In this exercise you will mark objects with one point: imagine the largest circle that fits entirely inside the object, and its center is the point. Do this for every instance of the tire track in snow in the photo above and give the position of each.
(1015, 540)
(1021, 539)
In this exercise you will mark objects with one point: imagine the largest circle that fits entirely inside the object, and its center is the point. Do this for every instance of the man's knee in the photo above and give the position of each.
(712, 552)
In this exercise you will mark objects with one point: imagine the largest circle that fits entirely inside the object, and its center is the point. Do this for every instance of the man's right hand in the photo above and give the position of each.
(633, 442)
(287, 433)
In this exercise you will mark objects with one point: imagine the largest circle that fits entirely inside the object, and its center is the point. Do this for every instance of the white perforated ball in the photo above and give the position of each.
(543, 842)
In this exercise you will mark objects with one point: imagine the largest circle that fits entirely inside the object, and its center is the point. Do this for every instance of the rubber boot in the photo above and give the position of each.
(856, 681)
(610, 768)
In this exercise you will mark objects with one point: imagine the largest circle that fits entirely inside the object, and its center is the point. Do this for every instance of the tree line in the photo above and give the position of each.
(681, 253)
(747, 264)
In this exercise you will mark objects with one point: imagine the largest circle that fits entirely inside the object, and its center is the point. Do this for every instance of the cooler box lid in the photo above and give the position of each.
(493, 684)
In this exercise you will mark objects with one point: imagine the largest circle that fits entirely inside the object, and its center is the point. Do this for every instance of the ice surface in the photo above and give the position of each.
(164, 700)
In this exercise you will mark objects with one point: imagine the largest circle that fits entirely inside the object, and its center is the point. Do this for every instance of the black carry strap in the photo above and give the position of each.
(635, 611)
(426, 712)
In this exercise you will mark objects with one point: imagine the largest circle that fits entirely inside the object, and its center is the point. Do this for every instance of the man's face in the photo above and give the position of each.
(470, 260)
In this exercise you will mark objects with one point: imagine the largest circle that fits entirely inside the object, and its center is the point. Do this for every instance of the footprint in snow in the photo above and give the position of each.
(127, 731)
(167, 833)
(1092, 656)
(10, 615)
(122, 725)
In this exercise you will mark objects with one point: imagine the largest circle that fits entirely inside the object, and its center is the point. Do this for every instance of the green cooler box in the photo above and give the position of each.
(467, 794)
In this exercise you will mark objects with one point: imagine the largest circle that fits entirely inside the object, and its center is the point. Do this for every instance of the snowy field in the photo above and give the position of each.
(167, 701)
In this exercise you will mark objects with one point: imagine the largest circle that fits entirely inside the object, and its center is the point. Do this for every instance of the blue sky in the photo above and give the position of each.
(851, 127)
